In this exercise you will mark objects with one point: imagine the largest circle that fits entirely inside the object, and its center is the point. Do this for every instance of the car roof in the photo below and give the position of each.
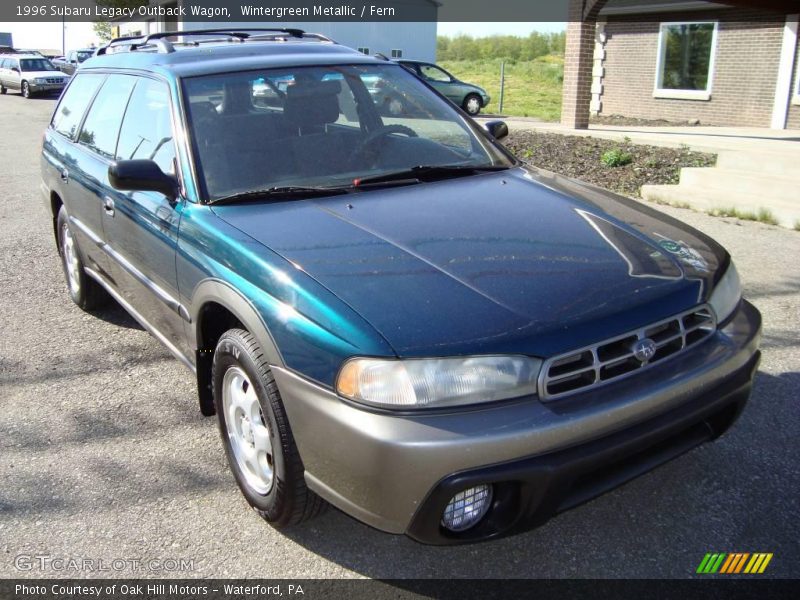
(222, 57)
(39, 56)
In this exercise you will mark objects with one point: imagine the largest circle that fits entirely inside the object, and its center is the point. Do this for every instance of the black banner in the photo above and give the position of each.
(277, 11)
(731, 588)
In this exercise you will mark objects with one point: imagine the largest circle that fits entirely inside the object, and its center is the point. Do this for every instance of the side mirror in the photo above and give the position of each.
(15, 69)
(497, 129)
(142, 176)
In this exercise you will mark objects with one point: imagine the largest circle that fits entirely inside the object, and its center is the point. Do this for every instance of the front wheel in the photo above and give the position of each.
(26, 89)
(256, 434)
(472, 104)
(3, 90)
(84, 291)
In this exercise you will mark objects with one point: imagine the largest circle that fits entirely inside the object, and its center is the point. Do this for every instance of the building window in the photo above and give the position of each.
(685, 65)
(364, 50)
(397, 54)
(796, 94)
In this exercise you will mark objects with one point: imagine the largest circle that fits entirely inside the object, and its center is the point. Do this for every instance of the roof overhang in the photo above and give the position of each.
(629, 7)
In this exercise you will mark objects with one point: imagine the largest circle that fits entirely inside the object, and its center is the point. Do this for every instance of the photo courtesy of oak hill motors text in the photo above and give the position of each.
(209, 12)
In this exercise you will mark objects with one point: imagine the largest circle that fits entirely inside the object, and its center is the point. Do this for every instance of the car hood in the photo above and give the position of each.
(34, 74)
(521, 261)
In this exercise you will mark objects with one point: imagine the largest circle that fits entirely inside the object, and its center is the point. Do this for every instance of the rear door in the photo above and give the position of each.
(13, 78)
(72, 169)
(141, 228)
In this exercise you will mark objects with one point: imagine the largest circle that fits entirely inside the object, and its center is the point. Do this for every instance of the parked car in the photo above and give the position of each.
(31, 75)
(394, 316)
(466, 95)
(74, 59)
(30, 52)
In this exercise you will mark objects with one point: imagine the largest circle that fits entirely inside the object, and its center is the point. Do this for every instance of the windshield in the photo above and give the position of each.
(324, 127)
(36, 64)
(82, 55)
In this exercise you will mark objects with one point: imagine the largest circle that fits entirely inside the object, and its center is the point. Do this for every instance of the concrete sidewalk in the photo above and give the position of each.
(756, 168)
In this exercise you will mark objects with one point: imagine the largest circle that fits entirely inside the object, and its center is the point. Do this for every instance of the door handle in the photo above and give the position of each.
(64, 175)
(108, 206)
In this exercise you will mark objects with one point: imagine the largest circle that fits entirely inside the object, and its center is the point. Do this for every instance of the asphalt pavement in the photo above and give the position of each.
(105, 457)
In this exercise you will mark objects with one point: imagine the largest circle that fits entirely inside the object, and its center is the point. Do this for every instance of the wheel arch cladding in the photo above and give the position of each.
(55, 205)
(217, 307)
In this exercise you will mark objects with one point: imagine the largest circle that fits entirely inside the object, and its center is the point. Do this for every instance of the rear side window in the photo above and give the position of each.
(101, 127)
(147, 128)
(74, 103)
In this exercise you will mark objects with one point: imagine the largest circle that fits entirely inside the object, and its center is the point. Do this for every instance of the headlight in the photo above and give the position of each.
(423, 383)
(727, 294)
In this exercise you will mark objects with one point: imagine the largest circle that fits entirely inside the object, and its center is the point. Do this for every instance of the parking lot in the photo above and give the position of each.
(104, 455)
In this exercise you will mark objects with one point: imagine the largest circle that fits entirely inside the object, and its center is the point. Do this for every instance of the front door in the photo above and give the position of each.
(141, 228)
(441, 81)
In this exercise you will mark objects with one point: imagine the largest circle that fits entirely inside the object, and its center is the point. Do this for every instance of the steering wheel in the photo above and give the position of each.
(360, 152)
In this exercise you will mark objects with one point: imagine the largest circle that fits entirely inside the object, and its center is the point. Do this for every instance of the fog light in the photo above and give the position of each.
(466, 508)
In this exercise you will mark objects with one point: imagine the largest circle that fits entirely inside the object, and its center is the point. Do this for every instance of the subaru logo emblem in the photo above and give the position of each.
(644, 350)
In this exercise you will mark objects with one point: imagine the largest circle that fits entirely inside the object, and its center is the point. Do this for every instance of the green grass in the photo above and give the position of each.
(533, 88)
(764, 215)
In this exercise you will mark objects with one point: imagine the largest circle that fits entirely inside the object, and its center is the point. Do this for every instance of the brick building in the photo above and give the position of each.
(732, 64)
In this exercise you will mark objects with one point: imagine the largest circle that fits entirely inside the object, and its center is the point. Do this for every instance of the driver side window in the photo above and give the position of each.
(147, 127)
(434, 73)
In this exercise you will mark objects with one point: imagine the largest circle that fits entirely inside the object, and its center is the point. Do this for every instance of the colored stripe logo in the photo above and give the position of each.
(736, 562)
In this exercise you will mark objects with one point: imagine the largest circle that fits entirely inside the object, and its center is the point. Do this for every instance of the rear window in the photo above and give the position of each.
(73, 104)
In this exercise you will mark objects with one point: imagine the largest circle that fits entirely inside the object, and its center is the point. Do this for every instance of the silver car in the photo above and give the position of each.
(30, 75)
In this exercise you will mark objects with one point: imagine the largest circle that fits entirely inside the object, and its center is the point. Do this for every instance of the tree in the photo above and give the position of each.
(103, 30)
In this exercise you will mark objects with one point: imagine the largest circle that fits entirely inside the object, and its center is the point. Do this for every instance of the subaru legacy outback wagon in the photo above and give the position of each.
(391, 315)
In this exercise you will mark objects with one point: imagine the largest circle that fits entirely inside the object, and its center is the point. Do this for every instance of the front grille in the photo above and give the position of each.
(54, 80)
(614, 358)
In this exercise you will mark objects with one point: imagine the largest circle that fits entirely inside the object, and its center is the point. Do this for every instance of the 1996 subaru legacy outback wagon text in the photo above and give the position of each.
(387, 312)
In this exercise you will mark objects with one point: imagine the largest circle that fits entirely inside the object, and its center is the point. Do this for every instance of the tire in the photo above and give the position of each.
(84, 291)
(472, 104)
(259, 443)
(3, 90)
(26, 90)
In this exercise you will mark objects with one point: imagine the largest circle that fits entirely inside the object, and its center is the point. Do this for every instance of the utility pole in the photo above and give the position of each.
(63, 37)
(502, 86)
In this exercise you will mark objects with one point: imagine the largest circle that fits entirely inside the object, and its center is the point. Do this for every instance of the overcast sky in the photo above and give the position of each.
(484, 29)
(48, 35)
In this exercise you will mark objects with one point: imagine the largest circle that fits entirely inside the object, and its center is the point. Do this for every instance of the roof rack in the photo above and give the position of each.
(160, 42)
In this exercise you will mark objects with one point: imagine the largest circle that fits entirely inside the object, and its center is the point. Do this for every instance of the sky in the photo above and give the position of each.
(48, 35)
(485, 29)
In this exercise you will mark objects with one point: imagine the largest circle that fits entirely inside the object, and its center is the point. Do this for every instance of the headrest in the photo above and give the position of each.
(236, 98)
(204, 111)
(311, 104)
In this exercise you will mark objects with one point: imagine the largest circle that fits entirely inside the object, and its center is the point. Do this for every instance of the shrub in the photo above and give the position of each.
(616, 158)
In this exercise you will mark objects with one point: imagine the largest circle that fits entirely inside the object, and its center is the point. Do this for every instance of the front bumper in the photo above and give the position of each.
(39, 88)
(397, 472)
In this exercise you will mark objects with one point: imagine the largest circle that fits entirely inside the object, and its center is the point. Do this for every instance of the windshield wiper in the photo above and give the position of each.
(426, 173)
(287, 191)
